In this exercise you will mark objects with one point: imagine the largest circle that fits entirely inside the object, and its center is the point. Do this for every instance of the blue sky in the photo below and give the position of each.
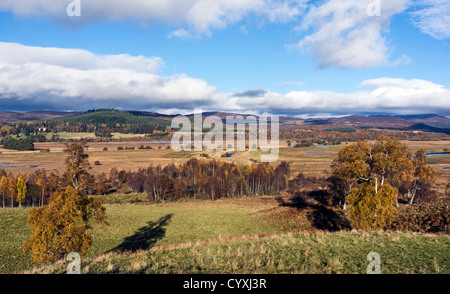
(299, 61)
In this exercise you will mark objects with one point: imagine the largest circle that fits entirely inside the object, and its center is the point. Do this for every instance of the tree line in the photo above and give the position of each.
(204, 179)
(18, 144)
(196, 178)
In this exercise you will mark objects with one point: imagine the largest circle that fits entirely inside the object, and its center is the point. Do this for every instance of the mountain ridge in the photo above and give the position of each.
(430, 122)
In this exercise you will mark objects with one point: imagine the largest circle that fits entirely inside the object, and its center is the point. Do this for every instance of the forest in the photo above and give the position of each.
(101, 122)
(196, 178)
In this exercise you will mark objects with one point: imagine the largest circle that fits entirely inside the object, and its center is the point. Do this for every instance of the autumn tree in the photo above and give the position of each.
(12, 188)
(101, 186)
(207, 179)
(3, 188)
(423, 175)
(42, 182)
(370, 209)
(21, 189)
(77, 165)
(369, 174)
(62, 226)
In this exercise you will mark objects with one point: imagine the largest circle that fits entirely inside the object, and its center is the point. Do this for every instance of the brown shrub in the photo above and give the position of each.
(424, 217)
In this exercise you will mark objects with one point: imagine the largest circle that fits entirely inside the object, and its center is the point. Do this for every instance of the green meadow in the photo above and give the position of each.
(223, 237)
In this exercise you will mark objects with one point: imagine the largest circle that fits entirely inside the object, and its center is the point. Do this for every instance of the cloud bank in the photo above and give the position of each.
(192, 17)
(33, 78)
(75, 79)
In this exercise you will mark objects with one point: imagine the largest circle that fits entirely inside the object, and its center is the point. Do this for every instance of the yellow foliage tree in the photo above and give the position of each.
(78, 166)
(423, 174)
(3, 188)
(62, 226)
(370, 175)
(12, 188)
(21, 189)
(371, 210)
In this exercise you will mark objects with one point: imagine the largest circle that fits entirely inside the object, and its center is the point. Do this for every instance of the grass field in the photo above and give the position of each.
(165, 224)
(319, 253)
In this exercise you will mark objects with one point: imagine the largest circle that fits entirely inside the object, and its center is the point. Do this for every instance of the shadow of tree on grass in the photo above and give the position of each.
(321, 215)
(145, 237)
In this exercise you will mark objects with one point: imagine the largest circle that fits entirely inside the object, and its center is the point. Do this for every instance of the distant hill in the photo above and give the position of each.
(13, 117)
(151, 114)
(428, 119)
(364, 121)
(430, 128)
(377, 122)
(111, 117)
(426, 122)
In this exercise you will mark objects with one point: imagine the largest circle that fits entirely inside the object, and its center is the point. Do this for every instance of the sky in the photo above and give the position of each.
(285, 57)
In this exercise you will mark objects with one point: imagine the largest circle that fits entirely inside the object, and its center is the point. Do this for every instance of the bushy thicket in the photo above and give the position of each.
(18, 144)
(424, 218)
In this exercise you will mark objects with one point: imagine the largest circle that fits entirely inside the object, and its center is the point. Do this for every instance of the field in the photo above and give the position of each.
(222, 236)
(320, 253)
(225, 236)
(164, 224)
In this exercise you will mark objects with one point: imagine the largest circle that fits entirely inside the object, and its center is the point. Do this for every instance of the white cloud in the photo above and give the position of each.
(18, 54)
(292, 84)
(181, 34)
(433, 18)
(403, 60)
(389, 95)
(344, 35)
(198, 17)
(68, 77)
(34, 78)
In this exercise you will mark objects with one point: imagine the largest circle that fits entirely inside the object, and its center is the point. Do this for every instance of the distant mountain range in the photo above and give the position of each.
(426, 122)
(13, 117)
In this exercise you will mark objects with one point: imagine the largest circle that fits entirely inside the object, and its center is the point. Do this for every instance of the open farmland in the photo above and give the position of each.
(312, 161)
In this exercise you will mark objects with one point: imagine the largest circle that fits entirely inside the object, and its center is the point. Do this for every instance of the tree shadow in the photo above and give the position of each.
(145, 237)
(320, 213)
(327, 219)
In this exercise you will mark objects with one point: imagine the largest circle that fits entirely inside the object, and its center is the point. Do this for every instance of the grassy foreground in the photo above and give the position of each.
(223, 236)
(343, 252)
(139, 227)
